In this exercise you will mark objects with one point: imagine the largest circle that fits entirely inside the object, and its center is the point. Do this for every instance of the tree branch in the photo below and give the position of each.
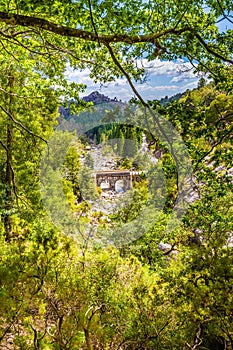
(41, 23)
(69, 52)
(208, 48)
(3, 145)
(19, 96)
(29, 21)
(9, 53)
(146, 105)
(198, 340)
(12, 172)
(229, 132)
(223, 13)
(21, 125)
(92, 22)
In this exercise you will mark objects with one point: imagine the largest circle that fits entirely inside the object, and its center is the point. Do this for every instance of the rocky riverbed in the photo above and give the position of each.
(105, 159)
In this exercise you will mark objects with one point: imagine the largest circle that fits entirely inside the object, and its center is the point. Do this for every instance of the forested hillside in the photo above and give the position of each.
(157, 273)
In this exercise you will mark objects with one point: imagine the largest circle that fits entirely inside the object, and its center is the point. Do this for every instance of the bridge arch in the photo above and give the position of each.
(104, 185)
(113, 176)
(120, 185)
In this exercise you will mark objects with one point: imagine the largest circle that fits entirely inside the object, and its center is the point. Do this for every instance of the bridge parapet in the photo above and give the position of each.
(112, 176)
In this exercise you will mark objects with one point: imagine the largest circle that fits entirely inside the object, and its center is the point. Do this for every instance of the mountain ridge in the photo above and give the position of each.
(98, 98)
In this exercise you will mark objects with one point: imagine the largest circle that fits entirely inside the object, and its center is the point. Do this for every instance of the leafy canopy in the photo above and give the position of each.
(108, 36)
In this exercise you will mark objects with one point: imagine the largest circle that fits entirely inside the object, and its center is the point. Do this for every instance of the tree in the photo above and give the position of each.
(95, 33)
(28, 110)
(53, 294)
(86, 179)
(110, 39)
(202, 277)
(28, 107)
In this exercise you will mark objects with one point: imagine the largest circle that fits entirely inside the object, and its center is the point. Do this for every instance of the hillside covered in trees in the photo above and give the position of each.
(157, 273)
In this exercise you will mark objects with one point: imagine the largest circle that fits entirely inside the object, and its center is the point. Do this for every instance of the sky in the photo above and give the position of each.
(165, 78)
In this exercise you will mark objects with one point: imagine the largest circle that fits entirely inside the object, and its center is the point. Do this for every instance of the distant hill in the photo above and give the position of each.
(98, 98)
(165, 100)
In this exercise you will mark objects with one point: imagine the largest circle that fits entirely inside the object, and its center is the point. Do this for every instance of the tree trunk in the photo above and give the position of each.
(9, 173)
(87, 338)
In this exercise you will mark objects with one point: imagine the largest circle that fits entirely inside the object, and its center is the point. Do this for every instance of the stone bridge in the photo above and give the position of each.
(112, 176)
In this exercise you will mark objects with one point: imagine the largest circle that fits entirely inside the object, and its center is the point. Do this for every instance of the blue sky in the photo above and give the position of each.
(164, 79)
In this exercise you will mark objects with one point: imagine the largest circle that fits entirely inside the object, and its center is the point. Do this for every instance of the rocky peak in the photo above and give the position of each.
(98, 98)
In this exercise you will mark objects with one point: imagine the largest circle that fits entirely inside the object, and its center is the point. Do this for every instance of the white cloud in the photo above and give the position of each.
(184, 77)
(164, 78)
(156, 88)
(78, 76)
(171, 68)
(157, 92)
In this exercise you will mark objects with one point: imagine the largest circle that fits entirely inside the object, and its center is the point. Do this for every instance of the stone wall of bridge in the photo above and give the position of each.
(113, 176)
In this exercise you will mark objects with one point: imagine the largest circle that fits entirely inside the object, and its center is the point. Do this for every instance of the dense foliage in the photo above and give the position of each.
(57, 293)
